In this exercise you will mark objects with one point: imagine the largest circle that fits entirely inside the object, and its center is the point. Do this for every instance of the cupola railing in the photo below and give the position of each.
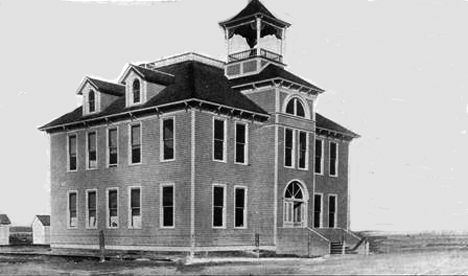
(251, 53)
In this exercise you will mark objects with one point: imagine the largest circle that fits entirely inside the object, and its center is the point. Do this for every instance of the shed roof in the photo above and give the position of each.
(44, 219)
(4, 220)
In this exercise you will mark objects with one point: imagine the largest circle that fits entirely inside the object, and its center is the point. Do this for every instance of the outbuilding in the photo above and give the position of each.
(4, 229)
(41, 229)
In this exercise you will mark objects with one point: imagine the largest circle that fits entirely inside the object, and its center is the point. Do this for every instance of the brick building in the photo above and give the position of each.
(190, 153)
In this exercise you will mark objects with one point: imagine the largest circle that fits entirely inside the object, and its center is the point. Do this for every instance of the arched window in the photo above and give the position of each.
(295, 107)
(136, 91)
(91, 101)
(294, 205)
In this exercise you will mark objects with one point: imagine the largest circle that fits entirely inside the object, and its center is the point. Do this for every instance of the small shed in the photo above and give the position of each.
(4, 229)
(41, 229)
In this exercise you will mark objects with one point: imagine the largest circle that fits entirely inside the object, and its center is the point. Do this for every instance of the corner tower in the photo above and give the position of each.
(254, 39)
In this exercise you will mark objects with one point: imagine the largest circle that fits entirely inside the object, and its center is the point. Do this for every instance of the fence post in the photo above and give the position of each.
(102, 246)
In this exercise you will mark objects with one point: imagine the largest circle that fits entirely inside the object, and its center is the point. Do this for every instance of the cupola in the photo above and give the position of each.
(254, 39)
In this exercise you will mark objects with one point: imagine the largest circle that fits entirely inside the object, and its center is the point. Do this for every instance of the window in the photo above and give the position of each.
(167, 206)
(332, 211)
(72, 213)
(219, 140)
(91, 101)
(294, 205)
(136, 91)
(91, 203)
(168, 138)
(72, 157)
(112, 150)
(318, 156)
(240, 207)
(317, 210)
(288, 147)
(241, 144)
(303, 150)
(112, 208)
(135, 143)
(219, 211)
(333, 169)
(295, 107)
(91, 154)
(135, 208)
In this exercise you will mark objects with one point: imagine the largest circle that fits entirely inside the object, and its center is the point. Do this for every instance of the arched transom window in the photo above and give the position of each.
(294, 205)
(136, 91)
(295, 107)
(91, 101)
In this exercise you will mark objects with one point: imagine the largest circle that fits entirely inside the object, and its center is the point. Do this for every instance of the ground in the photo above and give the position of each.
(429, 263)
(420, 254)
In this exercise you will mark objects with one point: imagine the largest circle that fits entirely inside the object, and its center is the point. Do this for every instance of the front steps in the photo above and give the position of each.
(338, 248)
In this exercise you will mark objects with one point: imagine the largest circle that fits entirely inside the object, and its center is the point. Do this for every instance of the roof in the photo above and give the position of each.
(254, 8)
(4, 219)
(153, 76)
(327, 124)
(20, 229)
(192, 80)
(272, 72)
(108, 87)
(44, 219)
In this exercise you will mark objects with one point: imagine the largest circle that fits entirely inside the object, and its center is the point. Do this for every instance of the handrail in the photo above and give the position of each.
(318, 234)
(253, 53)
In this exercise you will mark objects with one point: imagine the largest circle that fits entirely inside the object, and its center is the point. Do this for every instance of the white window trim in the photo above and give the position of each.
(321, 210)
(97, 101)
(246, 145)
(68, 209)
(87, 210)
(293, 153)
(291, 97)
(224, 160)
(321, 156)
(335, 217)
(161, 207)
(224, 186)
(87, 148)
(336, 159)
(107, 146)
(306, 167)
(245, 206)
(142, 92)
(107, 208)
(68, 151)
(130, 143)
(161, 139)
(129, 204)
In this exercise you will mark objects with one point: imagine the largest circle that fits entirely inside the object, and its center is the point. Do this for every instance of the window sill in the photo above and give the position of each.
(166, 160)
(167, 227)
(220, 161)
(244, 164)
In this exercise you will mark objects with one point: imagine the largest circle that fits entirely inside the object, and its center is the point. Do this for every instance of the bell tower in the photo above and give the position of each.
(254, 39)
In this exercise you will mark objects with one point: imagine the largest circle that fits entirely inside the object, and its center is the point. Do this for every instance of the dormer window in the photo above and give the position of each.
(136, 91)
(295, 107)
(91, 101)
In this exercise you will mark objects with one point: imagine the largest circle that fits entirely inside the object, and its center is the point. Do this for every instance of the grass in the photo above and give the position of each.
(400, 254)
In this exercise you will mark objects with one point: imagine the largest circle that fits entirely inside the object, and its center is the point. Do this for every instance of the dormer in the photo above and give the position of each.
(98, 94)
(141, 84)
(254, 39)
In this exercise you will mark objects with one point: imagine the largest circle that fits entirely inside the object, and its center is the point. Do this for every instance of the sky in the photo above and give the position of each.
(396, 72)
